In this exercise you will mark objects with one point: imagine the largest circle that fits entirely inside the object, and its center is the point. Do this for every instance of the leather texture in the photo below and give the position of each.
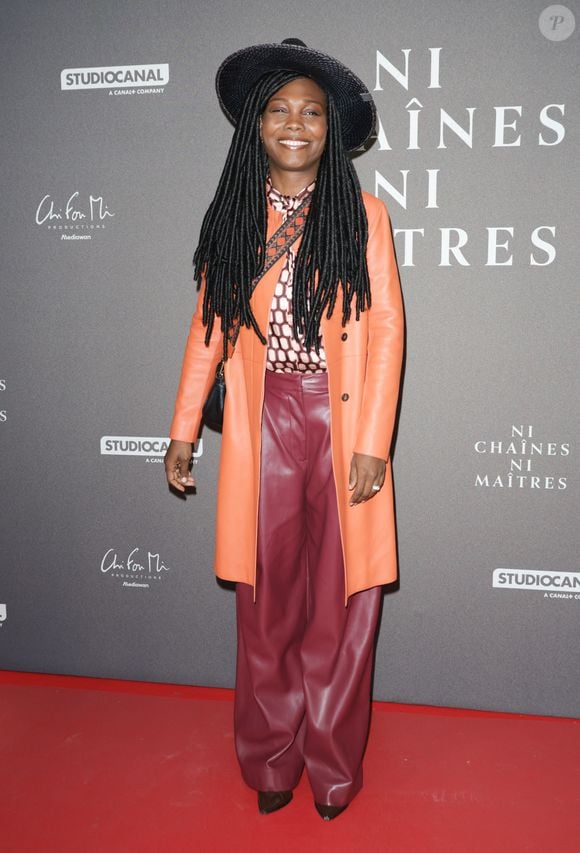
(213, 408)
(364, 366)
(304, 659)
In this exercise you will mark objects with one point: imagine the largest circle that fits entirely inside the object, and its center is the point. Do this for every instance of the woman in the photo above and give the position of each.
(305, 521)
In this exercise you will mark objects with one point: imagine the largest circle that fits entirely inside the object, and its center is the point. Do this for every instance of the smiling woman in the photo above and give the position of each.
(293, 131)
(305, 522)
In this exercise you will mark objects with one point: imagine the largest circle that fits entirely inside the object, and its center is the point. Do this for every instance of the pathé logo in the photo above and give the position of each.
(557, 22)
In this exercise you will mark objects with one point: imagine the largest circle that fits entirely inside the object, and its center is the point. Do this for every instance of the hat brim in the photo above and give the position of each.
(238, 73)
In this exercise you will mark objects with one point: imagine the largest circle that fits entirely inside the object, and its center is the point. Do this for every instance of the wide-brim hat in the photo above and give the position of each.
(238, 73)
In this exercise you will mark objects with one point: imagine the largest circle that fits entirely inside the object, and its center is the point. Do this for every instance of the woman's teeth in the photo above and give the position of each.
(293, 143)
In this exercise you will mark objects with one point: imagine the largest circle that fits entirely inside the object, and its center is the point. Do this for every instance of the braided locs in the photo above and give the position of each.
(332, 254)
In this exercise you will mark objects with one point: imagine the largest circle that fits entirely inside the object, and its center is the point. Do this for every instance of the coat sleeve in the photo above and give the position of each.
(385, 339)
(197, 375)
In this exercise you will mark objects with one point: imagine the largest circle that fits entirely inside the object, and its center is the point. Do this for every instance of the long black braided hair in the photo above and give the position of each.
(332, 254)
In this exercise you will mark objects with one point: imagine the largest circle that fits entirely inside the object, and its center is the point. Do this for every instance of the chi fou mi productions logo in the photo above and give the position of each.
(118, 79)
(74, 215)
(522, 461)
(557, 585)
(153, 448)
(134, 567)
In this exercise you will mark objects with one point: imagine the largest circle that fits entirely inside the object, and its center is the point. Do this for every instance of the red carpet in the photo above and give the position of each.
(98, 765)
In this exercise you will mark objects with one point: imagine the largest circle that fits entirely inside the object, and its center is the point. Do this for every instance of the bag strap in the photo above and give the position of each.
(284, 237)
(278, 245)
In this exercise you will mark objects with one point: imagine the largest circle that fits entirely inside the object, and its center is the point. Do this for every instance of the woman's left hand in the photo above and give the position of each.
(367, 475)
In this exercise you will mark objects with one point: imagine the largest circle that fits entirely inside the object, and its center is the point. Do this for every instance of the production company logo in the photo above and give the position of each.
(153, 448)
(522, 462)
(562, 586)
(118, 79)
(74, 216)
(136, 568)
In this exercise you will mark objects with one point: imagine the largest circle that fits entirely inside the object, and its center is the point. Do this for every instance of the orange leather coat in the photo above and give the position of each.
(364, 365)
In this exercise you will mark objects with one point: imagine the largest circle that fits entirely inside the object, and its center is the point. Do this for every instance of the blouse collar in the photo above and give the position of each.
(286, 203)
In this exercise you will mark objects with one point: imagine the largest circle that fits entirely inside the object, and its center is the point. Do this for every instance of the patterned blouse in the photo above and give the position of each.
(285, 353)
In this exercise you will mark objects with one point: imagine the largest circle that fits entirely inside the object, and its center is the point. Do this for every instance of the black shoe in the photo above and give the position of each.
(271, 801)
(329, 812)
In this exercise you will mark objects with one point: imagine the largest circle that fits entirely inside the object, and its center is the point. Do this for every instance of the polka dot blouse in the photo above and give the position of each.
(285, 353)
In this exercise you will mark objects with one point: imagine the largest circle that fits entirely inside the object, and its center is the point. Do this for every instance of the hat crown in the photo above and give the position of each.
(297, 42)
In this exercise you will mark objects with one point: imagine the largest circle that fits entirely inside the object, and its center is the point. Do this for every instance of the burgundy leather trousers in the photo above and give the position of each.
(304, 659)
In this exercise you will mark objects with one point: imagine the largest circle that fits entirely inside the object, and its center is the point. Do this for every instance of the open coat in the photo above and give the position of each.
(364, 366)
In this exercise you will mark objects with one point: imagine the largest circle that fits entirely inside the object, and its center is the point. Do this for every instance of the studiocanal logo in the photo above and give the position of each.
(558, 585)
(74, 216)
(118, 79)
(153, 448)
(135, 568)
(522, 462)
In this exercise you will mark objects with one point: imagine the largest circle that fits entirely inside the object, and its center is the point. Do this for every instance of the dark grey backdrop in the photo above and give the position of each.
(104, 573)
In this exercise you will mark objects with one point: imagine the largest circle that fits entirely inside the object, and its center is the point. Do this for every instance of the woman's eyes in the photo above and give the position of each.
(284, 110)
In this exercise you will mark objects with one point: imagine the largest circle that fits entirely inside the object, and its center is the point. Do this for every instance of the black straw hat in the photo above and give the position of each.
(238, 73)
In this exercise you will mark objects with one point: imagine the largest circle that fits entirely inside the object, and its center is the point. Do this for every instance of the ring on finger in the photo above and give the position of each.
(376, 488)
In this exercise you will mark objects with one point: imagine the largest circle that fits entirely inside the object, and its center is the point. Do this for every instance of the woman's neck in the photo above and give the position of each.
(291, 183)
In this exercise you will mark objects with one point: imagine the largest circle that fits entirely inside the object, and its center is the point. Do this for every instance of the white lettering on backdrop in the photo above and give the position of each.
(494, 127)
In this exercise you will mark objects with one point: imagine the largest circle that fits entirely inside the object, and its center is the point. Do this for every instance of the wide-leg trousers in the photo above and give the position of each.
(304, 660)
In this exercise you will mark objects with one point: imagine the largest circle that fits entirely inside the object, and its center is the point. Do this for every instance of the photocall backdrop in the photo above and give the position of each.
(112, 145)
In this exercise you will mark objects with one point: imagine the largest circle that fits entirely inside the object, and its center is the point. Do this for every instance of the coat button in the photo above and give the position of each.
(344, 336)
(344, 398)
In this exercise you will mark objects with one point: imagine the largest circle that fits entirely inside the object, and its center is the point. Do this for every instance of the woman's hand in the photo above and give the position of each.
(177, 461)
(367, 475)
